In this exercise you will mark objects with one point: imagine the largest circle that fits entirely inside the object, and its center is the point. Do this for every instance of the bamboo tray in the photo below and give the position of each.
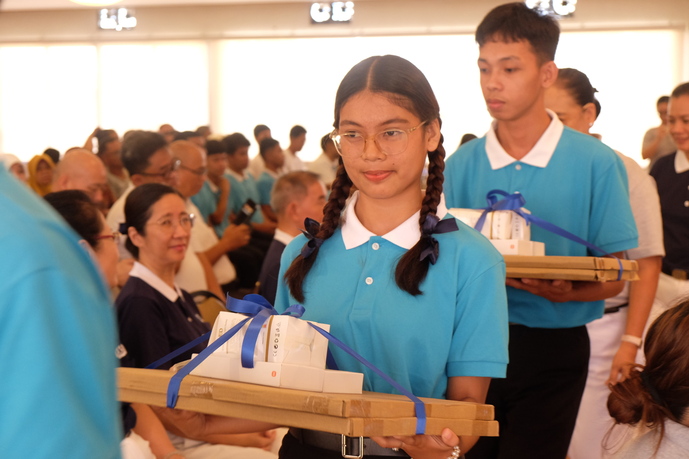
(367, 414)
(597, 269)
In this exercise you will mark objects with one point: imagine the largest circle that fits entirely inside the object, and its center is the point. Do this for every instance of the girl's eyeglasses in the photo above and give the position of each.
(390, 141)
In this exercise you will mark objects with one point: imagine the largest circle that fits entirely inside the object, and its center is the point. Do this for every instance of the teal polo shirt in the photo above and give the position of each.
(456, 327)
(57, 337)
(569, 179)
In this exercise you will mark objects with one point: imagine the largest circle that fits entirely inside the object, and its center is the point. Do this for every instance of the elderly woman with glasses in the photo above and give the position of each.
(156, 317)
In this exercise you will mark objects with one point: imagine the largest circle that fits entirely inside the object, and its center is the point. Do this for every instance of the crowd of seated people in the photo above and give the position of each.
(214, 240)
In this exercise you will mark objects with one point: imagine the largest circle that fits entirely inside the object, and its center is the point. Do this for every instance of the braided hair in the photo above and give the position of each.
(408, 88)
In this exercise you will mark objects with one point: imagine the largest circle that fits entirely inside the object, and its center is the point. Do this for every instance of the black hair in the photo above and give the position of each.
(54, 155)
(296, 131)
(514, 22)
(137, 149)
(578, 85)
(104, 137)
(265, 145)
(260, 128)
(663, 100)
(235, 141)
(681, 90)
(214, 147)
(468, 137)
(137, 209)
(79, 212)
(186, 135)
(406, 86)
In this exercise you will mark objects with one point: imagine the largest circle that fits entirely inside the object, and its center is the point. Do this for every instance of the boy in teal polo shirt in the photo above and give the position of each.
(274, 159)
(567, 178)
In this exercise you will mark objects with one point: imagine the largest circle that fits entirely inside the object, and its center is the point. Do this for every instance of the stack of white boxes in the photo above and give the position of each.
(509, 232)
(288, 353)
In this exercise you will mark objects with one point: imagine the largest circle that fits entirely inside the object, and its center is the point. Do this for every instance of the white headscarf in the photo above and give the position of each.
(9, 160)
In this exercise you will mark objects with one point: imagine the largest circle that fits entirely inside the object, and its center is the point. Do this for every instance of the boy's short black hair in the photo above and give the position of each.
(186, 135)
(296, 131)
(663, 100)
(514, 22)
(234, 141)
(214, 147)
(325, 140)
(681, 90)
(260, 128)
(265, 145)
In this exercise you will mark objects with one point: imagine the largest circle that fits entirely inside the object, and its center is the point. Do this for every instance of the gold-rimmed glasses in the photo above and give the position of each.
(392, 142)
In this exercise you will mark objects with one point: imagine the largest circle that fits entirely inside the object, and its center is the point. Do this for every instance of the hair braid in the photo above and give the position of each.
(300, 267)
(410, 271)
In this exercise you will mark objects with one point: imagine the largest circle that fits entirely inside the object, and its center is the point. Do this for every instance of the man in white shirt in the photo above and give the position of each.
(297, 138)
(257, 166)
(147, 158)
(295, 197)
(326, 164)
(204, 242)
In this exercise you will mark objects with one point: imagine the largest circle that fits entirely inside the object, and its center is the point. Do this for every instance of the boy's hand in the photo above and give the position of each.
(557, 291)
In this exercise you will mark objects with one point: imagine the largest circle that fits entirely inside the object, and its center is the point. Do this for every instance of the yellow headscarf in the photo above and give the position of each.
(33, 166)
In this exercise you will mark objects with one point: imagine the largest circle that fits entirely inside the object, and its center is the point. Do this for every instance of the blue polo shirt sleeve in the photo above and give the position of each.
(265, 186)
(479, 342)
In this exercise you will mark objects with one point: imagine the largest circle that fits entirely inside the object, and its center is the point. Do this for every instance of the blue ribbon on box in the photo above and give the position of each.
(515, 202)
(259, 309)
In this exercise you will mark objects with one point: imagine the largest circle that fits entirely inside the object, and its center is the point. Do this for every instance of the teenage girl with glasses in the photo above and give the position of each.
(407, 286)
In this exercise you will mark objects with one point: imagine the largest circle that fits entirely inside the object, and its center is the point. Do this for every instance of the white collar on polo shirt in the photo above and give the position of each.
(405, 235)
(282, 236)
(540, 154)
(681, 162)
(154, 281)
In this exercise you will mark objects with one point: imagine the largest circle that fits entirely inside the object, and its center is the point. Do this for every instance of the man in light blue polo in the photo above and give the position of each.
(57, 338)
(567, 178)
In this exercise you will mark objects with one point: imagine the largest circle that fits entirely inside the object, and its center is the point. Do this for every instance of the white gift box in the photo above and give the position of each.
(470, 216)
(300, 377)
(518, 247)
(288, 353)
(521, 229)
(500, 224)
(283, 339)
